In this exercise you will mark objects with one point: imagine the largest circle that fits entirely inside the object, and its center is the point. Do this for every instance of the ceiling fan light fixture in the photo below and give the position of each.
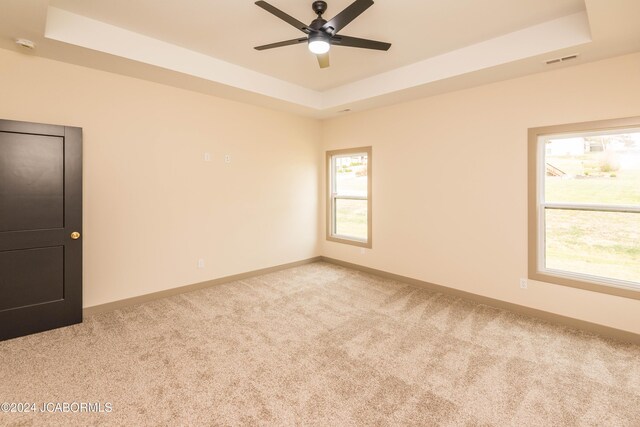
(319, 43)
(319, 46)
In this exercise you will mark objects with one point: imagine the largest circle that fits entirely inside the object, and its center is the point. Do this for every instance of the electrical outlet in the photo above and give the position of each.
(523, 283)
(200, 263)
(207, 157)
(362, 252)
(227, 158)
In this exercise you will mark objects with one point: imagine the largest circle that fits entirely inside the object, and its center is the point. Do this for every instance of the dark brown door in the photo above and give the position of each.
(40, 209)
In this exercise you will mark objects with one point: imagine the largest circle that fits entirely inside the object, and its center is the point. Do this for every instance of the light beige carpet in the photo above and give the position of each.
(321, 345)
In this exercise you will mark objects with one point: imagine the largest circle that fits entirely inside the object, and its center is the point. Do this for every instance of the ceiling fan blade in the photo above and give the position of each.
(281, 44)
(280, 14)
(361, 43)
(343, 19)
(323, 60)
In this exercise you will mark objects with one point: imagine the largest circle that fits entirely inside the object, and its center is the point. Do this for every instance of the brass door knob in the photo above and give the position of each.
(75, 235)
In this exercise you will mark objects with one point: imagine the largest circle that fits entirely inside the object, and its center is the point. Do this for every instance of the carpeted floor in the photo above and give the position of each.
(321, 345)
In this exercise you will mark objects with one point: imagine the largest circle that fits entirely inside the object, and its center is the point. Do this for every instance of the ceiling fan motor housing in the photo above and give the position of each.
(317, 24)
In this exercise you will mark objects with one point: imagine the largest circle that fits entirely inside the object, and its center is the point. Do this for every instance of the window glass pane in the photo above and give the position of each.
(351, 175)
(602, 169)
(604, 244)
(351, 218)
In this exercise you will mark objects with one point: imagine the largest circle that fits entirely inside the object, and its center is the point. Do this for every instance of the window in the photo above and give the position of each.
(584, 206)
(349, 196)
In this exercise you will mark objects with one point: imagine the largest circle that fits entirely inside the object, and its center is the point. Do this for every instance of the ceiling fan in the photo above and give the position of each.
(321, 34)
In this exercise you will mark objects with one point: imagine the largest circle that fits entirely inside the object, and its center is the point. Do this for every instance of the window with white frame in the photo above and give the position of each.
(585, 213)
(349, 196)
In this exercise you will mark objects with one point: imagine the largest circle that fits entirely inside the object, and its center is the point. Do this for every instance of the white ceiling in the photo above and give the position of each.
(229, 30)
(206, 45)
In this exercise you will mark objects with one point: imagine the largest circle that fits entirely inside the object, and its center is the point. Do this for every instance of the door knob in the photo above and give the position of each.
(75, 235)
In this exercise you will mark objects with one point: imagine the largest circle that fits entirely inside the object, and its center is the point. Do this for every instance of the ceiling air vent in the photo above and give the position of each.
(563, 59)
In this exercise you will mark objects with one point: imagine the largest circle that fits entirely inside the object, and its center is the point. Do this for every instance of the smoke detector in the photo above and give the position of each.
(26, 43)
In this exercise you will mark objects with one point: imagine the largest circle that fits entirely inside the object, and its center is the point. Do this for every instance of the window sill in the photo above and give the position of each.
(346, 241)
(576, 281)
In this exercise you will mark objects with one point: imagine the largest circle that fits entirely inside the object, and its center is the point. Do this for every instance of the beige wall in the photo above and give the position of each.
(152, 206)
(450, 183)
